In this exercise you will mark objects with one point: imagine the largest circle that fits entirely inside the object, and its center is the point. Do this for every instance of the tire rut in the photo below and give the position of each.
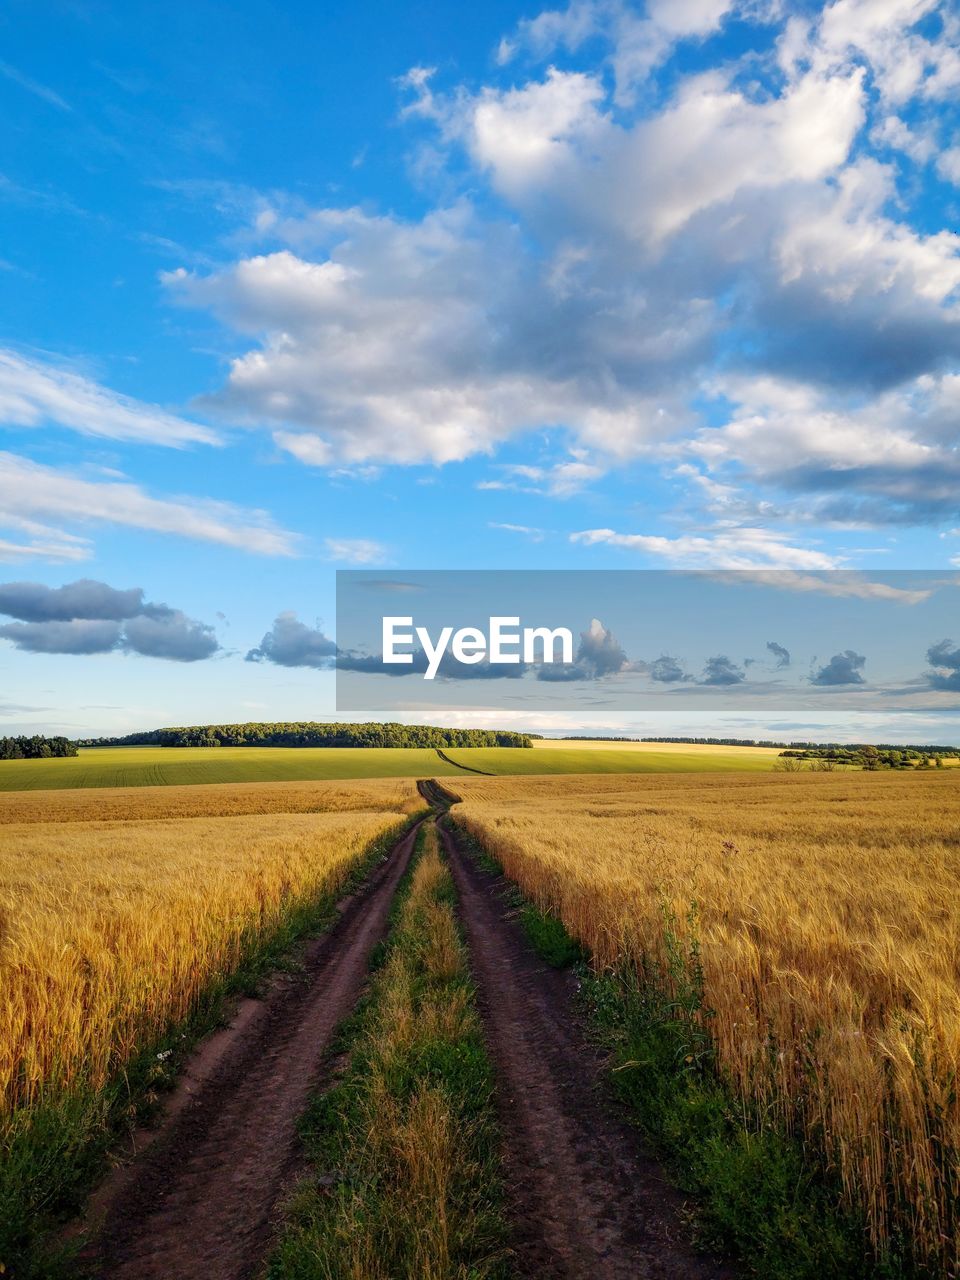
(198, 1204)
(587, 1201)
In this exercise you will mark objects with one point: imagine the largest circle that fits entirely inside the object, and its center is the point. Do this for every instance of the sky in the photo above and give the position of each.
(292, 289)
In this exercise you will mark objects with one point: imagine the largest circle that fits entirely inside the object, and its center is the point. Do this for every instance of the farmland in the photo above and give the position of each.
(771, 962)
(117, 929)
(183, 766)
(809, 925)
(196, 766)
(565, 756)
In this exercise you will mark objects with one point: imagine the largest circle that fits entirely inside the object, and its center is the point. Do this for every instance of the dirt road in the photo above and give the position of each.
(197, 1204)
(587, 1202)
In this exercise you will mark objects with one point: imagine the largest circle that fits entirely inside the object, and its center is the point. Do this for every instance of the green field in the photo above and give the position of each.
(178, 766)
(628, 759)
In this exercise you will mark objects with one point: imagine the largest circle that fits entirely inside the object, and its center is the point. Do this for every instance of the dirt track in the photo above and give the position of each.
(197, 1204)
(587, 1202)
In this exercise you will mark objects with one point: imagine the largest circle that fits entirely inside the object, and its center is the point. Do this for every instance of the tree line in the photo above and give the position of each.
(36, 747)
(312, 734)
(722, 742)
(871, 757)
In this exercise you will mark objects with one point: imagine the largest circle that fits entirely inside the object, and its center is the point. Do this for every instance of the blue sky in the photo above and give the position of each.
(287, 289)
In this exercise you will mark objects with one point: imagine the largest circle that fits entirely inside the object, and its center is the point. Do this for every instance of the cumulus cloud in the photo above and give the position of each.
(35, 393)
(644, 230)
(889, 459)
(437, 340)
(85, 598)
(667, 670)
(291, 643)
(162, 632)
(843, 668)
(599, 654)
(721, 671)
(781, 654)
(945, 661)
(87, 617)
(78, 636)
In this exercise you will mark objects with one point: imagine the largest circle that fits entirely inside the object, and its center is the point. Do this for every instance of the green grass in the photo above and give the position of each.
(176, 766)
(513, 760)
(404, 1176)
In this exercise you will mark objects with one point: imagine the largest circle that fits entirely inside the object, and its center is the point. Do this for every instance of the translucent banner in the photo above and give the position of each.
(764, 641)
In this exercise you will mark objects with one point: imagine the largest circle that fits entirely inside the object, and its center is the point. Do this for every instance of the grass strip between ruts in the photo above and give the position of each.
(404, 1177)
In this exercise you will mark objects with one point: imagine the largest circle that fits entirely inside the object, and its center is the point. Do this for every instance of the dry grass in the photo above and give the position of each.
(828, 914)
(111, 930)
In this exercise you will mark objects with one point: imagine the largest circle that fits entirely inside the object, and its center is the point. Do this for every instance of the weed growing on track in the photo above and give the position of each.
(823, 947)
(120, 942)
(404, 1149)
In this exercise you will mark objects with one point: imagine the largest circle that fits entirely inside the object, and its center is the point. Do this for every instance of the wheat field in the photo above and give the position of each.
(828, 915)
(119, 909)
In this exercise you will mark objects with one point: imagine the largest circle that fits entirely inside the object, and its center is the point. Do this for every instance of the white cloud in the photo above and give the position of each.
(731, 548)
(638, 43)
(849, 248)
(526, 137)
(948, 165)
(355, 550)
(904, 63)
(891, 456)
(434, 341)
(894, 133)
(44, 543)
(559, 480)
(34, 393)
(535, 535)
(738, 214)
(309, 448)
(29, 490)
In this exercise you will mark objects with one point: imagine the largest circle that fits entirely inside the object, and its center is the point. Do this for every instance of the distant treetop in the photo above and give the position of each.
(309, 733)
(36, 747)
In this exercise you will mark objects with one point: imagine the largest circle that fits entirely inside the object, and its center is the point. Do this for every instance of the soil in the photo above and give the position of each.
(588, 1202)
(198, 1203)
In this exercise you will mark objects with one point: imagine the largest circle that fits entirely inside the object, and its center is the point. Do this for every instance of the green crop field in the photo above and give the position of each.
(178, 766)
(625, 758)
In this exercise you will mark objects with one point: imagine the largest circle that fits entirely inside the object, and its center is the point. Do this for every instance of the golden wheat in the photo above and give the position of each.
(110, 931)
(828, 914)
(208, 800)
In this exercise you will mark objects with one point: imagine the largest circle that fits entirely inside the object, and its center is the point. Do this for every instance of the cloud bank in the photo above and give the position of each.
(87, 617)
(625, 227)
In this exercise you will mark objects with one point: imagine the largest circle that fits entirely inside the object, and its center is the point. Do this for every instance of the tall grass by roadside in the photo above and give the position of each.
(816, 920)
(404, 1181)
(118, 941)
